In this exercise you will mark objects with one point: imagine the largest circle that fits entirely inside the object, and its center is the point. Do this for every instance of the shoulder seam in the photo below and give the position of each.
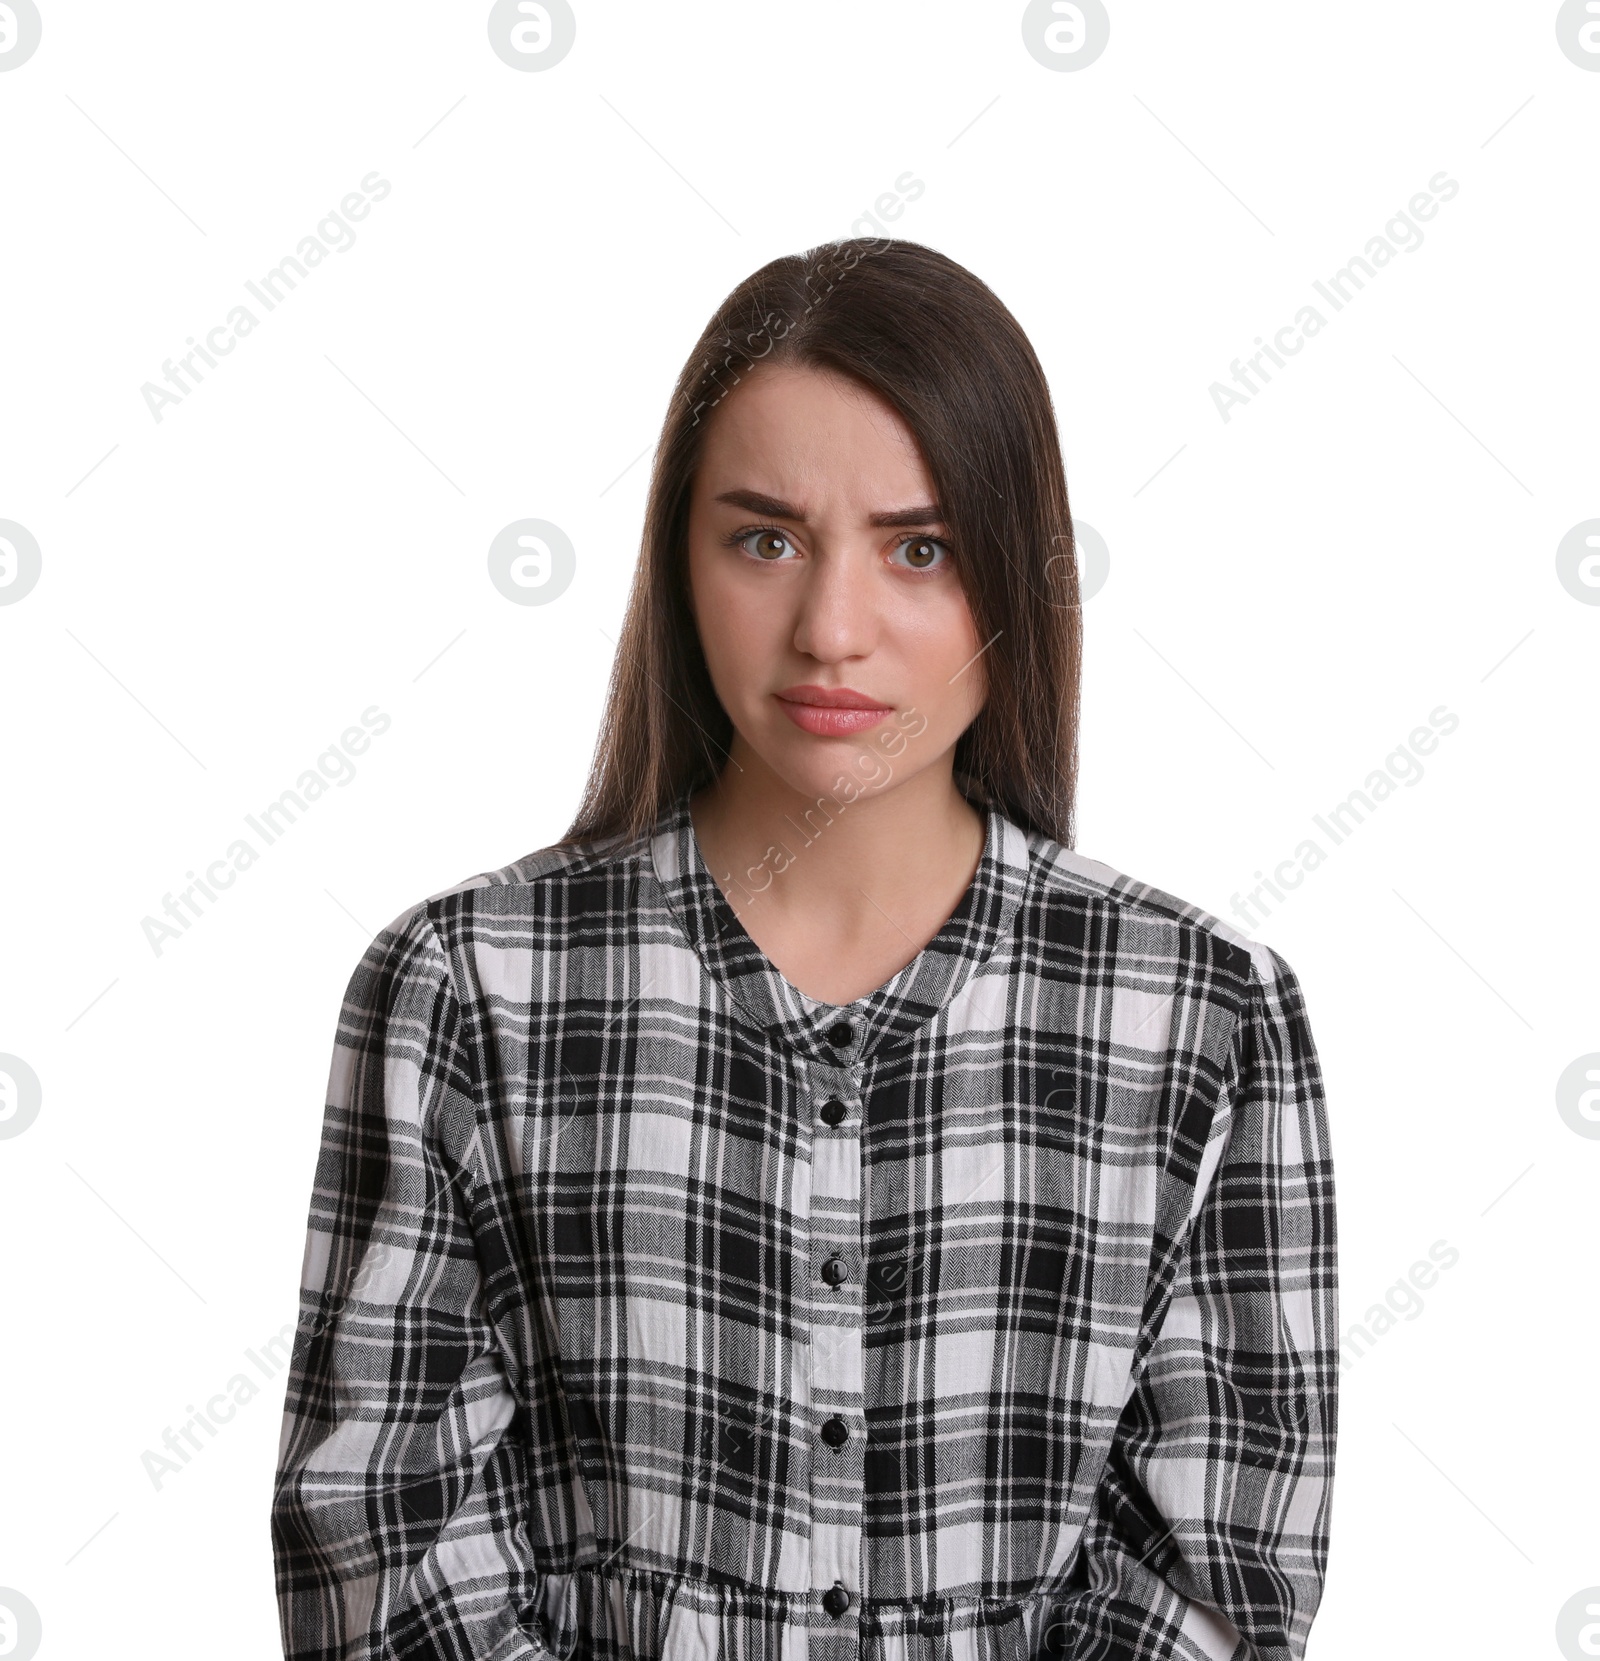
(475, 1085)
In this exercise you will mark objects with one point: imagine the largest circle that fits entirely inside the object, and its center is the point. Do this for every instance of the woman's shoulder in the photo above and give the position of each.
(428, 927)
(549, 865)
(1151, 920)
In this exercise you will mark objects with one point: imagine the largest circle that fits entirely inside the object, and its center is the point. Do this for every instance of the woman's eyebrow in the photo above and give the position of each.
(909, 518)
(754, 501)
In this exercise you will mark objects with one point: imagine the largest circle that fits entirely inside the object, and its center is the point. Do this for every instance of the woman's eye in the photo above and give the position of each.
(769, 546)
(923, 553)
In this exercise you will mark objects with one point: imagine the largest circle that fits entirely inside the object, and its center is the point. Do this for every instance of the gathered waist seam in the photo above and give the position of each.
(713, 1592)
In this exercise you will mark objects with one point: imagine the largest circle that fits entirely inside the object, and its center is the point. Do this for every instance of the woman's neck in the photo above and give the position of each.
(840, 895)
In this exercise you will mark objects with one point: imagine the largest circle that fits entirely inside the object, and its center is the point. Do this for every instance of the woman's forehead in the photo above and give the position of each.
(799, 438)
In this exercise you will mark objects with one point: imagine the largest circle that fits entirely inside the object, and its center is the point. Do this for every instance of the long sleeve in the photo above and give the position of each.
(400, 1501)
(1209, 1532)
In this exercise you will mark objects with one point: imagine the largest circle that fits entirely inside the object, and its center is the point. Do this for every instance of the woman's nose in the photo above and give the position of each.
(838, 600)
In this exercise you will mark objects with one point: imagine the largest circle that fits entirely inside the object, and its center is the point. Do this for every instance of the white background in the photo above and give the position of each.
(1291, 591)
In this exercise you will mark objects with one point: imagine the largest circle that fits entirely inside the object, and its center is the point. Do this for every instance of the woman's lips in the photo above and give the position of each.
(831, 719)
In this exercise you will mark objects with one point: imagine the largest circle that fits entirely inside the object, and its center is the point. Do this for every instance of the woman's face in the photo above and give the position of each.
(817, 566)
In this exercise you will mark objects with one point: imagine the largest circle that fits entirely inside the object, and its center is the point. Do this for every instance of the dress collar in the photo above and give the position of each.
(906, 1001)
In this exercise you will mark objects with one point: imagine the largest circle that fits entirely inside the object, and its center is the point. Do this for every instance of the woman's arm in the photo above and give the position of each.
(399, 1504)
(1209, 1533)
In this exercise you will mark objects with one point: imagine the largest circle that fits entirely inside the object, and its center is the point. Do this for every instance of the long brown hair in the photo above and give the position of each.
(938, 346)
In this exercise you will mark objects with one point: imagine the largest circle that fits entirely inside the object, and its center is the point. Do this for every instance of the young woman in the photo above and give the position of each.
(811, 1212)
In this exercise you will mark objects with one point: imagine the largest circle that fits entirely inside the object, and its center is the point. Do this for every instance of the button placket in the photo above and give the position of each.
(836, 1382)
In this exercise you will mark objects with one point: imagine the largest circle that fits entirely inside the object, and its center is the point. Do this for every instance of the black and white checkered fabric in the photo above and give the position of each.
(653, 1311)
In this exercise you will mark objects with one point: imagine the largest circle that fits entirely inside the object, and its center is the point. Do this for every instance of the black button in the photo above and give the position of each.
(835, 1270)
(840, 1034)
(833, 1112)
(835, 1432)
(836, 1600)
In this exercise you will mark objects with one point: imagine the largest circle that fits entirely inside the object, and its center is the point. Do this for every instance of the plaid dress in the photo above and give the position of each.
(654, 1311)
